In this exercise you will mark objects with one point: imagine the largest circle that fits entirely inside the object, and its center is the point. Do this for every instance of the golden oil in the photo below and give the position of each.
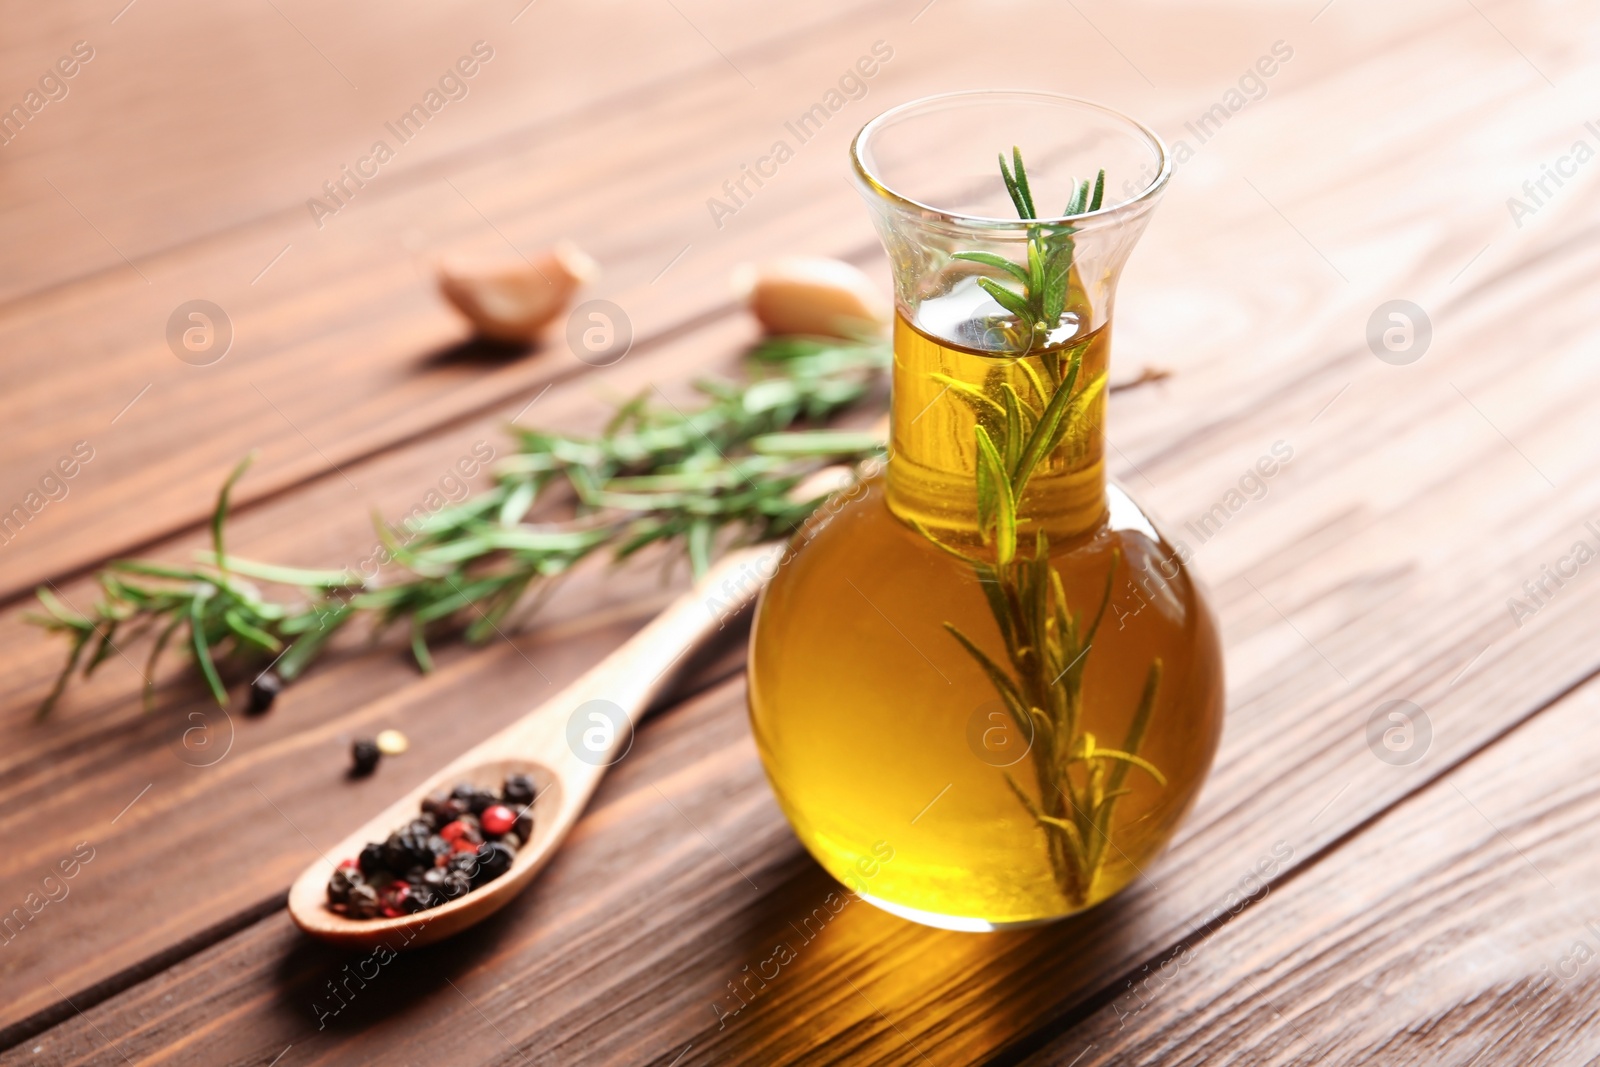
(877, 726)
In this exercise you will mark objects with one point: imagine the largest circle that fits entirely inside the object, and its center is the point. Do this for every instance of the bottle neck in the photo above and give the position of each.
(942, 393)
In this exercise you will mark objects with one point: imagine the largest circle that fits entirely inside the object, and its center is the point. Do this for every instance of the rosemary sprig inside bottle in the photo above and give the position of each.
(1047, 643)
(1046, 280)
(717, 474)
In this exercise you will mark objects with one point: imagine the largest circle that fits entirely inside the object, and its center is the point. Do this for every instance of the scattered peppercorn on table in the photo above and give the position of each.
(1372, 290)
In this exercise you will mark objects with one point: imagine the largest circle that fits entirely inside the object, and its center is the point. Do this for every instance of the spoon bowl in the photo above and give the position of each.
(308, 896)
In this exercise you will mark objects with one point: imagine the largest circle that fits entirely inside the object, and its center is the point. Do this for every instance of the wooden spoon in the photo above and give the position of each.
(566, 745)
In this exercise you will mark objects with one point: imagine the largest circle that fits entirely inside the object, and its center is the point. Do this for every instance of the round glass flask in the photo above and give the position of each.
(984, 687)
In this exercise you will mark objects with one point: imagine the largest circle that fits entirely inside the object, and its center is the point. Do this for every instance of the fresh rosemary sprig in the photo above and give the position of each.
(1046, 280)
(1047, 644)
(226, 616)
(719, 474)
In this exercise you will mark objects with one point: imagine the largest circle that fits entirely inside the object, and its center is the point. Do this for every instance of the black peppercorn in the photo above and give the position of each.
(441, 807)
(494, 859)
(421, 898)
(405, 851)
(344, 879)
(518, 791)
(473, 799)
(364, 756)
(456, 883)
(371, 859)
(363, 902)
(263, 691)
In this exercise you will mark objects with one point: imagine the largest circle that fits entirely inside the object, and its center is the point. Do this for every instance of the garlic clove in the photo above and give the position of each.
(514, 301)
(812, 295)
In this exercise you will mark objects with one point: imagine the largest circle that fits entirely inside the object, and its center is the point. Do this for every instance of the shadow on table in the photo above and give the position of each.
(481, 351)
(347, 994)
(823, 970)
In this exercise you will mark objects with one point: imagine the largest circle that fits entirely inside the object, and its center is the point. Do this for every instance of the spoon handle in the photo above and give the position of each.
(621, 687)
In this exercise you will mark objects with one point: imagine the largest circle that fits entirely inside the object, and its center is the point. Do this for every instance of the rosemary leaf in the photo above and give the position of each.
(219, 514)
(202, 647)
(1023, 209)
(1045, 436)
(989, 259)
(1013, 435)
(419, 647)
(1022, 182)
(1135, 761)
(238, 624)
(1002, 681)
(1013, 303)
(1005, 504)
(272, 572)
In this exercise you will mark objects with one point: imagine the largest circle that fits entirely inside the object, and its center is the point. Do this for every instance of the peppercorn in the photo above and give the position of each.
(371, 859)
(518, 791)
(405, 850)
(343, 881)
(363, 902)
(524, 826)
(364, 757)
(494, 859)
(263, 691)
(456, 883)
(497, 819)
(473, 798)
(441, 807)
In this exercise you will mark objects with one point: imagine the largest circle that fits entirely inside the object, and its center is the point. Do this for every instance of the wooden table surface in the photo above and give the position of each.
(1321, 904)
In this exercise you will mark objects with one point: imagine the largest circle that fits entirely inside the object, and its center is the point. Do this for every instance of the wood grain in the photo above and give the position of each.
(1458, 928)
(245, 112)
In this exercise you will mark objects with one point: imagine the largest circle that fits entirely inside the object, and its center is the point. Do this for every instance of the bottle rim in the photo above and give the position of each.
(1135, 205)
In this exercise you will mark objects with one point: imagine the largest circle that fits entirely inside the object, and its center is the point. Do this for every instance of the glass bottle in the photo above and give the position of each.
(984, 687)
